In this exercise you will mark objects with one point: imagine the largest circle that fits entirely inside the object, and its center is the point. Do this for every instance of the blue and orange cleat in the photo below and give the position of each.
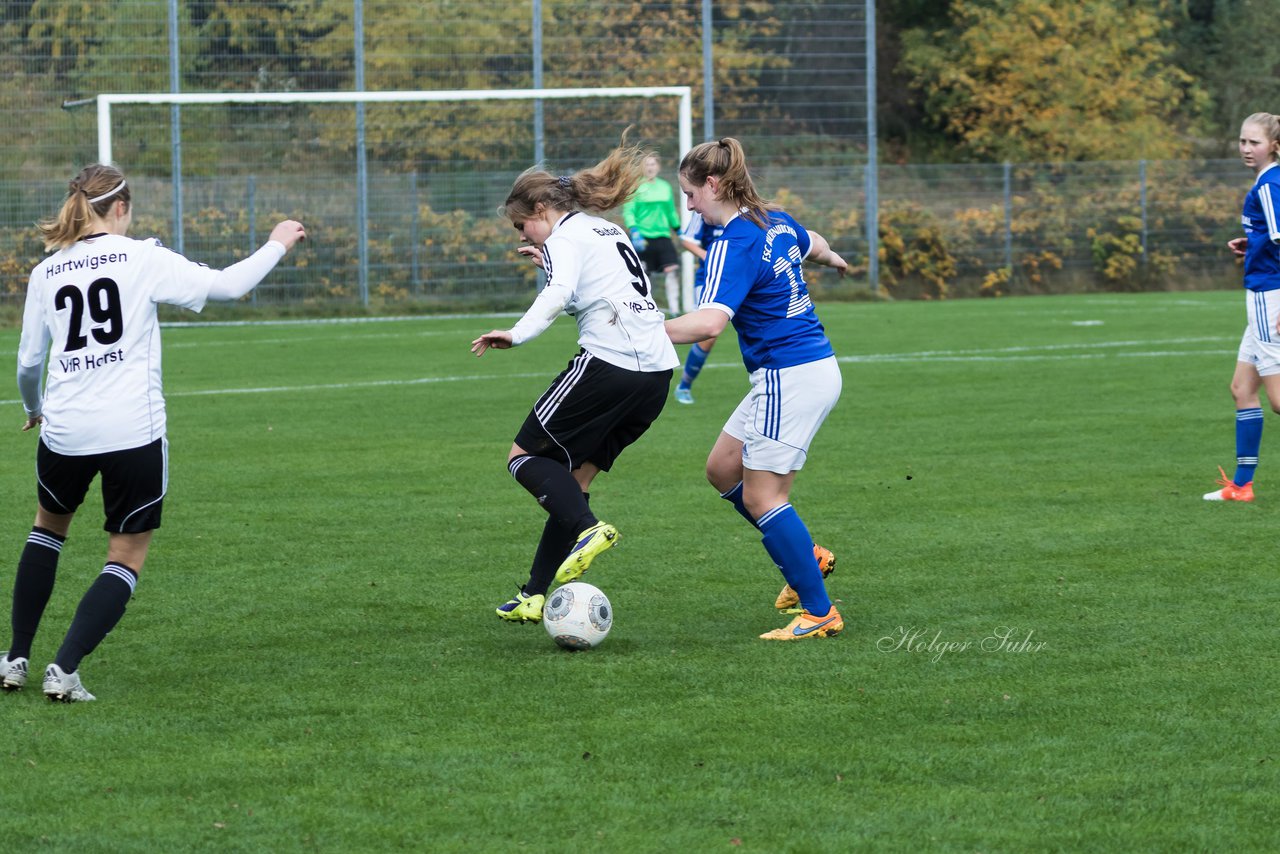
(806, 625)
(826, 562)
(1230, 491)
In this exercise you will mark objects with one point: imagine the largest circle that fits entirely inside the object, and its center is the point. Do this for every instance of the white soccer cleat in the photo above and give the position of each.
(13, 674)
(62, 687)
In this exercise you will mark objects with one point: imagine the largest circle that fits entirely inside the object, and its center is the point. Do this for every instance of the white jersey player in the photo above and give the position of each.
(90, 326)
(612, 390)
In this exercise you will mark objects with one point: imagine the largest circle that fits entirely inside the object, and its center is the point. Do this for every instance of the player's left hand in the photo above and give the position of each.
(32, 422)
(498, 339)
(533, 253)
(841, 265)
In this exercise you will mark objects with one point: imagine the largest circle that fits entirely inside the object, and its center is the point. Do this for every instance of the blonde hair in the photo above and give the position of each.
(90, 194)
(597, 189)
(726, 159)
(1270, 128)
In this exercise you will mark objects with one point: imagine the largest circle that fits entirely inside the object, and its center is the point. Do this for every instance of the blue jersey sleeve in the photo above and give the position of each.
(731, 272)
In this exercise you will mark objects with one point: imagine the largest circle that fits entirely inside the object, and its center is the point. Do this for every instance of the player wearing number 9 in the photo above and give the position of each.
(612, 389)
(91, 313)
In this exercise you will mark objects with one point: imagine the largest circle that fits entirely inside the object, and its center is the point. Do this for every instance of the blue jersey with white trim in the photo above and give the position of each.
(1262, 254)
(704, 234)
(754, 275)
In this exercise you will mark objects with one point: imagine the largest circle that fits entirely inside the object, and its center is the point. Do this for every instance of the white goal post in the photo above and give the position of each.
(107, 101)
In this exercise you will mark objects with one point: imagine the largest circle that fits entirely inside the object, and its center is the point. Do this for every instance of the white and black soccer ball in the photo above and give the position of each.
(577, 615)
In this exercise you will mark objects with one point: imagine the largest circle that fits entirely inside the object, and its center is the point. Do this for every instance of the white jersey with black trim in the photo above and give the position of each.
(91, 309)
(594, 274)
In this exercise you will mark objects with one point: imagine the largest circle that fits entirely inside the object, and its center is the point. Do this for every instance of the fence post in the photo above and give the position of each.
(251, 203)
(175, 130)
(1008, 217)
(414, 238)
(1142, 194)
(362, 160)
(872, 213)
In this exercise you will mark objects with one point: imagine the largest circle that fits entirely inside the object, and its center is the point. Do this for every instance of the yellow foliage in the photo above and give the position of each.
(1041, 80)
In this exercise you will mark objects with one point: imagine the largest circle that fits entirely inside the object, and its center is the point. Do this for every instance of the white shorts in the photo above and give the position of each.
(779, 417)
(1260, 344)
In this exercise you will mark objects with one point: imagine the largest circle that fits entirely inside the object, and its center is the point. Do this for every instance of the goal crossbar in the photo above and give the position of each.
(683, 93)
(107, 101)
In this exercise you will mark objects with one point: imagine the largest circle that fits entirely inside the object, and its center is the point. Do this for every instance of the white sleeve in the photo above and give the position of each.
(33, 347)
(243, 276)
(545, 309)
(29, 387)
(692, 227)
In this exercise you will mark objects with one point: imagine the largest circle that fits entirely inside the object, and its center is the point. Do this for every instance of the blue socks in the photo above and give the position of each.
(787, 541)
(734, 497)
(693, 365)
(1248, 440)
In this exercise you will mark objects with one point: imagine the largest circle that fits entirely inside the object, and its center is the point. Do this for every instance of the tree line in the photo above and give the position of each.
(958, 80)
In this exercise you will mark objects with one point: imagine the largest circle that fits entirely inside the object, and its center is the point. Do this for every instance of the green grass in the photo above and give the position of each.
(311, 662)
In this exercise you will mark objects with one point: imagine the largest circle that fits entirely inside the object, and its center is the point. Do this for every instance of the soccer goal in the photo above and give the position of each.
(110, 109)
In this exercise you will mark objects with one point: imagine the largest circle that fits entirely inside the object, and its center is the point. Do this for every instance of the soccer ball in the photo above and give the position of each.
(578, 616)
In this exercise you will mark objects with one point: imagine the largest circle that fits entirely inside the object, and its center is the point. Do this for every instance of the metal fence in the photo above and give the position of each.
(788, 78)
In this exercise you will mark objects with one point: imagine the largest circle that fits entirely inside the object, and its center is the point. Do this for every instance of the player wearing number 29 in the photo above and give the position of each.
(91, 311)
(616, 385)
(755, 279)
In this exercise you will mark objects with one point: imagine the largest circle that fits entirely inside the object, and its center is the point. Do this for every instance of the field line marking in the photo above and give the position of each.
(1041, 352)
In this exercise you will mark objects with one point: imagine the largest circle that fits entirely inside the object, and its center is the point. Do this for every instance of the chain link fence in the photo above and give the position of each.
(405, 195)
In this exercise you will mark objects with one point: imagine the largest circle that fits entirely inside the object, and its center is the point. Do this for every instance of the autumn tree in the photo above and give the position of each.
(1041, 80)
(1233, 48)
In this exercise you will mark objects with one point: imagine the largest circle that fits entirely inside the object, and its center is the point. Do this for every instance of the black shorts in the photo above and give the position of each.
(592, 411)
(133, 484)
(659, 254)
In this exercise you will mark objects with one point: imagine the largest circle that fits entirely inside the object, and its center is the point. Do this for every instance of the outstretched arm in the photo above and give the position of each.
(546, 308)
(696, 325)
(821, 252)
(243, 276)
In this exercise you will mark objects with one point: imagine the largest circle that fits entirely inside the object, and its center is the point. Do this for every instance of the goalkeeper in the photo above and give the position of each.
(652, 220)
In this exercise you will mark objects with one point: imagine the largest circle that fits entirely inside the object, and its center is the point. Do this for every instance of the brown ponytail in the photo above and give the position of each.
(598, 188)
(99, 182)
(726, 159)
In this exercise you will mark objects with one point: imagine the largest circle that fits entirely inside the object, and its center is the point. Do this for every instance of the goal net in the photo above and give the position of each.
(399, 189)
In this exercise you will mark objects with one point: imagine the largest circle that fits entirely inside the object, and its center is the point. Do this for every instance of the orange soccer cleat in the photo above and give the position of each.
(806, 625)
(1229, 491)
(826, 562)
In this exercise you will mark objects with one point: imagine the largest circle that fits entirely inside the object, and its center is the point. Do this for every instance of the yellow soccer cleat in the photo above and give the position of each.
(599, 538)
(523, 609)
(805, 625)
(826, 562)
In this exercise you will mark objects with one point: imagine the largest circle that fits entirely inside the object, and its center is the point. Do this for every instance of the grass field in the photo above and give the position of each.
(1052, 643)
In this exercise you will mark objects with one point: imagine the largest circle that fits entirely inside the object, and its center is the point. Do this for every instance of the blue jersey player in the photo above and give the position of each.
(755, 278)
(697, 236)
(1258, 361)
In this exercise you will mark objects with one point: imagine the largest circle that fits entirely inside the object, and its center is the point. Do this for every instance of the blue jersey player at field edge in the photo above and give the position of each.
(1258, 361)
(755, 279)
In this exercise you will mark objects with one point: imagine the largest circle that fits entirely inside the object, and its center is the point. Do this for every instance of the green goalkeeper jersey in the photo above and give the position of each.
(652, 210)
